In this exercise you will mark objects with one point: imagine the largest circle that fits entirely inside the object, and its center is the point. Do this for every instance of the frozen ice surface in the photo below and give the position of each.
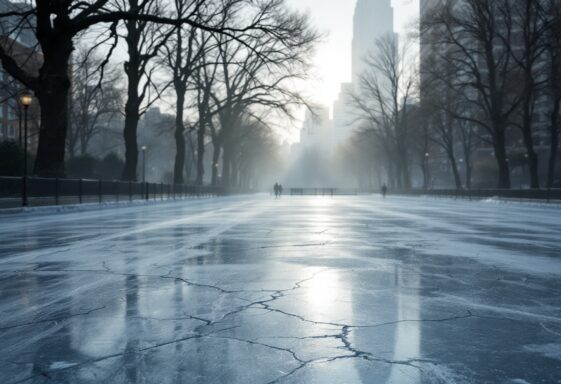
(298, 290)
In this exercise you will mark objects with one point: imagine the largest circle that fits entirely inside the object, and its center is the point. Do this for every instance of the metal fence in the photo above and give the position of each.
(479, 194)
(323, 192)
(547, 195)
(36, 191)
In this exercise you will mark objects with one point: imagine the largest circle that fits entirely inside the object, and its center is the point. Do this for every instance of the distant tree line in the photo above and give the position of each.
(228, 69)
(490, 77)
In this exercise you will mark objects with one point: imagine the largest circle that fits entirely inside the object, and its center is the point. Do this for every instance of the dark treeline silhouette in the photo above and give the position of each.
(488, 102)
(229, 67)
(492, 75)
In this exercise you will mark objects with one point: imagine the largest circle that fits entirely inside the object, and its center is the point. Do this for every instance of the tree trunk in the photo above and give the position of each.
(554, 144)
(454, 165)
(529, 143)
(469, 169)
(215, 159)
(179, 136)
(425, 171)
(131, 145)
(201, 132)
(53, 93)
(502, 162)
(226, 164)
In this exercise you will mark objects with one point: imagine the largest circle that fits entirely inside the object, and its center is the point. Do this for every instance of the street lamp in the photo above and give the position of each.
(144, 148)
(25, 99)
(426, 173)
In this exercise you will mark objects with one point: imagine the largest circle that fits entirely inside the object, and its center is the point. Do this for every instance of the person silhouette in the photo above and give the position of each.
(276, 189)
(384, 190)
(280, 190)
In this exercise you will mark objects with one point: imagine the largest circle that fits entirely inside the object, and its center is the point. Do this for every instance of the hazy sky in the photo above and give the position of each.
(333, 57)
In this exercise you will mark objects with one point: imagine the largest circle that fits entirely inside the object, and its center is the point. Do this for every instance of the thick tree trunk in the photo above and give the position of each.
(179, 137)
(425, 171)
(226, 164)
(201, 132)
(455, 171)
(215, 160)
(131, 144)
(53, 93)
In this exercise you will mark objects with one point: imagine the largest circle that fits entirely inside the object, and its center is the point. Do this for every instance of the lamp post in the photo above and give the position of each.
(427, 170)
(144, 148)
(25, 99)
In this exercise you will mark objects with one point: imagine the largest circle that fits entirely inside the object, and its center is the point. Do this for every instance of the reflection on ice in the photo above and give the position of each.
(407, 344)
(325, 294)
(304, 290)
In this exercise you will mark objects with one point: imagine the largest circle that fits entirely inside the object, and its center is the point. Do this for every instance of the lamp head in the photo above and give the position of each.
(26, 99)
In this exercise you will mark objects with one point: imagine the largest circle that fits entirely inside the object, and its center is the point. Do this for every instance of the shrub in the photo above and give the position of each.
(11, 159)
(82, 167)
(111, 167)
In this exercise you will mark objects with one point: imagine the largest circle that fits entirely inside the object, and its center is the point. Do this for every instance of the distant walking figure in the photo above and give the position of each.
(384, 190)
(280, 190)
(276, 189)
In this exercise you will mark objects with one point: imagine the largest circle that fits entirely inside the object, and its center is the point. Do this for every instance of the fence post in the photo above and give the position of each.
(80, 190)
(147, 191)
(56, 191)
(100, 191)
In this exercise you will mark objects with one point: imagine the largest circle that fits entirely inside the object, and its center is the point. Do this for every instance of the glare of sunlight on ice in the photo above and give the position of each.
(320, 219)
(323, 292)
(328, 300)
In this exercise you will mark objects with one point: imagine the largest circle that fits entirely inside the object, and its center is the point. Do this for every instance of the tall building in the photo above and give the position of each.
(372, 20)
(317, 130)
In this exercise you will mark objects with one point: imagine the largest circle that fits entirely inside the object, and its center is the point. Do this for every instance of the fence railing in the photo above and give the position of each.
(323, 192)
(14, 191)
(469, 194)
(478, 194)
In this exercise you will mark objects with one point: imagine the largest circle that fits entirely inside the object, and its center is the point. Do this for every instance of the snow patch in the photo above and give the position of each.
(61, 365)
(552, 350)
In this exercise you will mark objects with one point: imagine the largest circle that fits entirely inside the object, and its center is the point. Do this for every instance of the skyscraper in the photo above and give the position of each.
(372, 20)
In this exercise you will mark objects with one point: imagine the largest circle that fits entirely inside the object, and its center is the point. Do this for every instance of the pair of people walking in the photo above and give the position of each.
(278, 190)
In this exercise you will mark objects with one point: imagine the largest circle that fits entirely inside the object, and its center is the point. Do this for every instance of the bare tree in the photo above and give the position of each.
(475, 39)
(260, 71)
(204, 79)
(95, 99)
(553, 88)
(184, 54)
(382, 101)
(144, 40)
(442, 127)
(55, 25)
(529, 28)
(255, 156)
